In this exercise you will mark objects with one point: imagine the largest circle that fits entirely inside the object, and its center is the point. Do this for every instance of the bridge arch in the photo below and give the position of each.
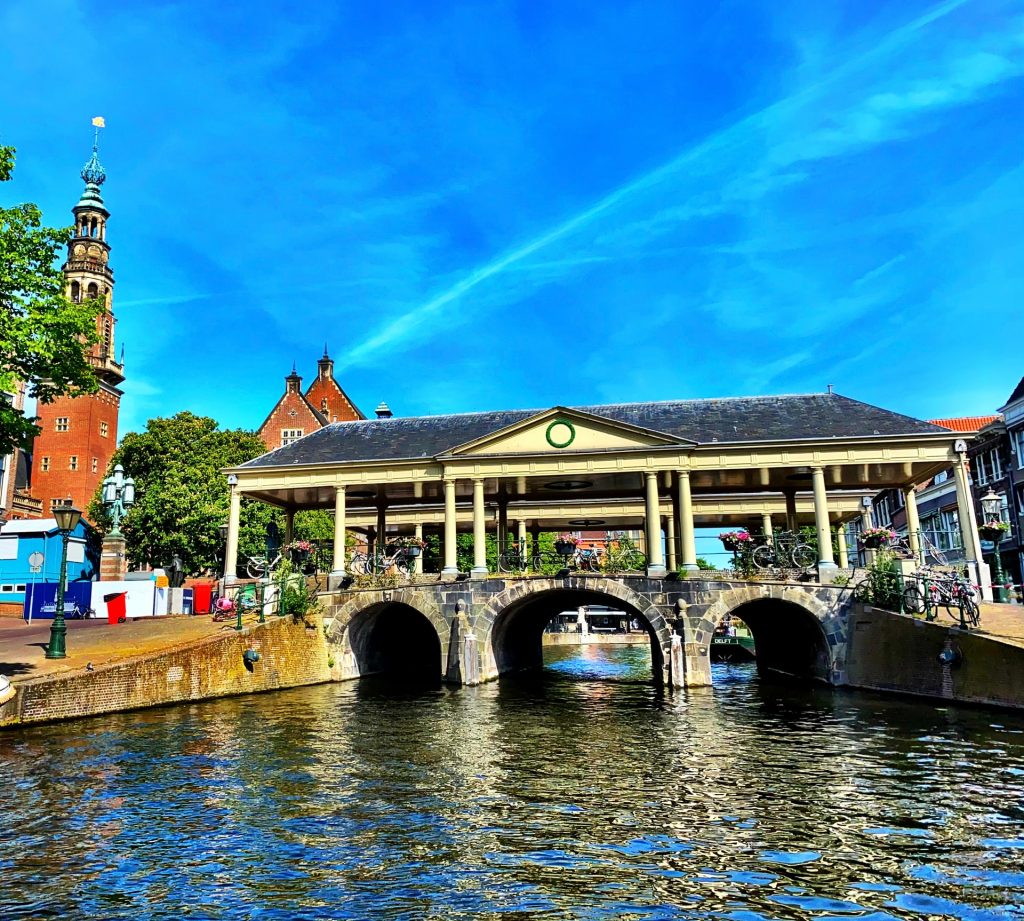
(511, 625)
(390, 633)
(796, 632)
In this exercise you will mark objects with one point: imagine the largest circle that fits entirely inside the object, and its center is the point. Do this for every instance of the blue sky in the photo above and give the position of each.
(489, 205)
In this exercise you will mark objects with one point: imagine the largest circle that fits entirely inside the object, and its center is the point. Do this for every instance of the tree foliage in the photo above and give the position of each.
(182, 497)
(44, 336)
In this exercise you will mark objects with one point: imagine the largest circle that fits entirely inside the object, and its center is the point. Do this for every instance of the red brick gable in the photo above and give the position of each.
(292, 416)
(325, 394)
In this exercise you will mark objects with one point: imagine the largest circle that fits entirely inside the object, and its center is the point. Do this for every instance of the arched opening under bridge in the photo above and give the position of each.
(517, 635)
(397, 641)
(789, 640)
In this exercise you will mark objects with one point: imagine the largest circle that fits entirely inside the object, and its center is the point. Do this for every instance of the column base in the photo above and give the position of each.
(478, 572)
(230, 580)
(449, 573)
(691, 567)
(656, 571)
(336, 579)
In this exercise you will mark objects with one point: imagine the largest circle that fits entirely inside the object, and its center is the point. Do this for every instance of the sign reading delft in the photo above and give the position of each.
(560, 434)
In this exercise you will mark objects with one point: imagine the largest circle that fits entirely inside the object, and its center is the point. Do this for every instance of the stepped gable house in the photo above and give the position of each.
(297, 413)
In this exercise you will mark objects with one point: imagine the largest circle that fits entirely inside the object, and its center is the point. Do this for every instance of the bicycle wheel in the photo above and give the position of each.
(971, 612)
(804, 556)
(763, 556)
(256, 567)
(359, 564)
(634, 561)
(536, 562)
(913, 600)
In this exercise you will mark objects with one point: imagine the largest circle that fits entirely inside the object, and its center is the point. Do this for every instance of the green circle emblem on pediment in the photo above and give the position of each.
(560, 433)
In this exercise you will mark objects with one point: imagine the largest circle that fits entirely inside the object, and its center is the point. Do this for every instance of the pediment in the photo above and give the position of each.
(560, 431)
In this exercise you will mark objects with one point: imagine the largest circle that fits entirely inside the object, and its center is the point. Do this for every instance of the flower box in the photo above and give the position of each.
(874, 542)
(735, 540)
(564, 547)
(410, 552)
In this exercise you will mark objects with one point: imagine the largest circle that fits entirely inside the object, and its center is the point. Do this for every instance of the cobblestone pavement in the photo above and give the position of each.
(22, 646)
(1003, 621)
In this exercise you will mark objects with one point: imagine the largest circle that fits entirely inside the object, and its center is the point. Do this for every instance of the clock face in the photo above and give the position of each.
(79, 249)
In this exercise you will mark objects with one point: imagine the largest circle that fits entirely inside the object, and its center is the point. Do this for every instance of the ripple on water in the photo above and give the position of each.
(584, 793)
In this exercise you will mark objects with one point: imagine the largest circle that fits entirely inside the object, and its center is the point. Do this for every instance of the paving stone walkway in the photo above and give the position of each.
(23, 646)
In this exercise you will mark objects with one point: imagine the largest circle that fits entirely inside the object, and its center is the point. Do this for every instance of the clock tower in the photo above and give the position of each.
(78, 435)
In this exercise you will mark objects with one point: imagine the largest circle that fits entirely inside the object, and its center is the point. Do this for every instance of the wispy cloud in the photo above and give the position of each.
(872, 97)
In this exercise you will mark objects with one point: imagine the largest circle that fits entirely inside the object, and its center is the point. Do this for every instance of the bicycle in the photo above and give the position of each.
(781, 548)
(587, 559)
(379, 562)
(515, 559)
(928, 592)
(621, 555)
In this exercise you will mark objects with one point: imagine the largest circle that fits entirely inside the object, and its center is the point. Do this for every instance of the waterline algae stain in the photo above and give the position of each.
(582, 793)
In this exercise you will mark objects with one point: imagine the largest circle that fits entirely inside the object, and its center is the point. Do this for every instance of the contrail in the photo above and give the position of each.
(401, 327)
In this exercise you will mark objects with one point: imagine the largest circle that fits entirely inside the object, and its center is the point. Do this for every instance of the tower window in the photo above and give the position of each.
(61, 424)
(76, 292)
(104, 430)
(95, 465)
(44, 464)
(93, 290)
(290, 435)
(73, 462)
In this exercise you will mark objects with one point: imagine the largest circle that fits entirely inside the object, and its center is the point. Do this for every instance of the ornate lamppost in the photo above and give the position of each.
(67, 520)
(118, 497)
(993, 530)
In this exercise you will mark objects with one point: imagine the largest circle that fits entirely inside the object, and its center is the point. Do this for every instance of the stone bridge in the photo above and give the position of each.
(478, 630)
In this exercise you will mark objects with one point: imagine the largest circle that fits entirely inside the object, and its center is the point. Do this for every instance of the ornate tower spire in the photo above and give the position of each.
(87, 270)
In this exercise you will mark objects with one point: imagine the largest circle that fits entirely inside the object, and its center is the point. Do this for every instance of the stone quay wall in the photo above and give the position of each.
(291, 654)
(897, 653)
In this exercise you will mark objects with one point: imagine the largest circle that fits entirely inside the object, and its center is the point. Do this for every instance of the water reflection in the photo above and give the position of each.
(584, 792)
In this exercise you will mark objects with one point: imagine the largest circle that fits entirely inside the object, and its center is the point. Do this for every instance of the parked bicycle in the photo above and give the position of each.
(380, 562)
(514, 558)
(927, 592)
(622, 555)
(782, 549)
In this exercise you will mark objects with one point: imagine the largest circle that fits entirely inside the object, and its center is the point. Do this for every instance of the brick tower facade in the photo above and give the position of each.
(78, 435)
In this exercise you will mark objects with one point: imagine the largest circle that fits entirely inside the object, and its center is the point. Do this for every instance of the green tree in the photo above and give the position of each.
(44, 336)
(181, 495)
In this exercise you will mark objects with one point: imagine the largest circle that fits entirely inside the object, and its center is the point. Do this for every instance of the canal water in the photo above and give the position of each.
(585, 793)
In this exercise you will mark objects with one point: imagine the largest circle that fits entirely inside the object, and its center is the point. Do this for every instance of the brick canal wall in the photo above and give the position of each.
(291, 654)
(894, 652)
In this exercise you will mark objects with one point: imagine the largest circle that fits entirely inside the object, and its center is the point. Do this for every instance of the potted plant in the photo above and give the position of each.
(565, 544)
(875, 538)
(994, 530)
(734, 540)
(409, 547)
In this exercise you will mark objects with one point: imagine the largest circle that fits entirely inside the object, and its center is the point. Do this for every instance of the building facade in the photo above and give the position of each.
(297, 414)
(15, 500)
(78, 434)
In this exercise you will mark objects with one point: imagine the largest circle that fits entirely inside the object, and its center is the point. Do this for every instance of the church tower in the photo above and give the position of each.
(78, 435)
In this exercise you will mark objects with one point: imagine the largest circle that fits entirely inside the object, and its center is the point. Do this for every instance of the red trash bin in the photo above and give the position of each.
(201, 594)
(117, 609)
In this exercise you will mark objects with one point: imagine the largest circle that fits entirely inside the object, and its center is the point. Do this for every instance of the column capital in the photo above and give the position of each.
(683, 474)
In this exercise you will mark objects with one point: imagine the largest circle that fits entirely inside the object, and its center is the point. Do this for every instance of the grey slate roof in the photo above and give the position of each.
(739, 419)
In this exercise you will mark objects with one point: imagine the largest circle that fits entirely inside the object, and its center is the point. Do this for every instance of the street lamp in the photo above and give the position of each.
(991, 510)
(67, 520)
(118, 497)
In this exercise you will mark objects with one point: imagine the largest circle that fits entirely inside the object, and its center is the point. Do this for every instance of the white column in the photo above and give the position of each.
(451, 559)
(521, 534)
(965, 512)
(688, 543)
(479, 531)
(231, 550)
(844, 555)
(825, 558)
(417, 564)
(670, 541)
(338, 565)
(913, 522)
(766, 524)
(866, 522)
(655, 556)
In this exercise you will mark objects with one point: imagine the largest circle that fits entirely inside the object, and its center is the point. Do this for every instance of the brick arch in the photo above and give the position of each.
(827, 607)
(520, 593)
(367, 602)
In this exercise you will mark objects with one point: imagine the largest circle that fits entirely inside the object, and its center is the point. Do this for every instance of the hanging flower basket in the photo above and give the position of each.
(408, 547)
(876, 538)
(565, 544)
(411, 552)
(994, 531)
(734, 540)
